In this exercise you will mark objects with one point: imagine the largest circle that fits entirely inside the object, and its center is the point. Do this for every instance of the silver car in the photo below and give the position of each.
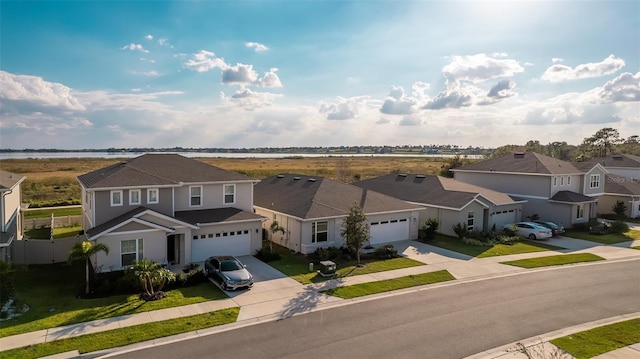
(532, 230)
(228, 272)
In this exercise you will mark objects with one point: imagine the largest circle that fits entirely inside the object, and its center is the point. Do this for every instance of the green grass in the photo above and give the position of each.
(610, 238)
(456, 245)
(554, 260)
(596, 341)
(54, 286)
(296, 266)
(125, 336)
(57, 212)
(636, 247)
(45, 232)
(359, 290)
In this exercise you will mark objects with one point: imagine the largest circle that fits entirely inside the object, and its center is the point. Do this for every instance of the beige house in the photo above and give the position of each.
(10, 212)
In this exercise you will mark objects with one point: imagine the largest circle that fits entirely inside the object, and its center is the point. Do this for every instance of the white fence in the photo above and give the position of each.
(42, 251)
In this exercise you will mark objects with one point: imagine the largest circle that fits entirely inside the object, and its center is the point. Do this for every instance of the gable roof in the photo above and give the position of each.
(216, 215)
(432, 190)
(308, 197)
(618, 161)
(571, 197)
(9, 180)
(621, 185)
(157, 170)
(523, 163)
(128, 217)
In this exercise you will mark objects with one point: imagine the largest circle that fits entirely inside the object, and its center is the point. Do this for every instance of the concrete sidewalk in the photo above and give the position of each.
(276, 296)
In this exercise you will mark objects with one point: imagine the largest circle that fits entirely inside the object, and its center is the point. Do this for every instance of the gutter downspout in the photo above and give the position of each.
(2, 214)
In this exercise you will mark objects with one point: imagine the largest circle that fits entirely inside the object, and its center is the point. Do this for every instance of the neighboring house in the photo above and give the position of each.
(10, 212)
(619, 188)
(170, 209)
(555, 190)
(621, 164)
(311, 211)
(449, 201)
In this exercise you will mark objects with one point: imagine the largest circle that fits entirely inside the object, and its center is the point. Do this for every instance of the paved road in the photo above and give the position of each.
(446, 322)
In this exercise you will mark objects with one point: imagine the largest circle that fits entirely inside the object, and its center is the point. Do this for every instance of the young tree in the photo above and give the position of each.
(355, 230)
(83, 251)
(449, 164)
(620, 209)
(274, 228)
(152, 278)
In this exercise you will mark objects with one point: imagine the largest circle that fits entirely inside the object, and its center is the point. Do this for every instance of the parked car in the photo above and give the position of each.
(556, 229)
(228, 272)
(531, 230)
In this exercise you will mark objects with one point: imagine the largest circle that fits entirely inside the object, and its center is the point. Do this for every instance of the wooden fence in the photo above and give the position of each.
(42, 251)
(58, 222)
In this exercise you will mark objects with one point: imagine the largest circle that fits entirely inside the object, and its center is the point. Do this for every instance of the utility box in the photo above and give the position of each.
(327, 268)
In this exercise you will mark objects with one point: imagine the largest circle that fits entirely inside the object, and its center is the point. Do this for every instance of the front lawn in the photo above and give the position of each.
(596, 341)
(120, 337)
(554, 260)
(523, 246)
(609, 238)
(362, 289)
(296, 266)
(49, 291)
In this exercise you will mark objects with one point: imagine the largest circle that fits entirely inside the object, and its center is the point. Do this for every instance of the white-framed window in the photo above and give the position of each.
(568, 180)
(471, 217)
(555, 181)
(153, 195)
(580, 211)
(134, 196)
(195, 196)
(594, 181)
(229, 194)
(116, 198)
(319, 231)
(130, 250)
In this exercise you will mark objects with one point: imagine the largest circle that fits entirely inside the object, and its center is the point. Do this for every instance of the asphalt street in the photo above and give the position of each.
(450, 321)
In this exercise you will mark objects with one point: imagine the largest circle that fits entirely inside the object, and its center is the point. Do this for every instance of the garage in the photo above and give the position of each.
(234, 243)
(389, 231)
(502, 218)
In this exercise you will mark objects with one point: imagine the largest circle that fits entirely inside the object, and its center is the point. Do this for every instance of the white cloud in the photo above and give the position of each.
(204, 61)
(258, 47)
(270, 79)
(455, 98)
(149, 37)
(343, 108)
(164, 42)
(135, 47)
(397, 103)
(250, 100)
(624, 88)
(240, 74)
(32, 93)
(478, 68)
(555, 60)
(410, 121)
(558, 73)
(500, 91)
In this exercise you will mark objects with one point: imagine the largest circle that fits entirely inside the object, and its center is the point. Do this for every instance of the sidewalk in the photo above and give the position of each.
(275, 296)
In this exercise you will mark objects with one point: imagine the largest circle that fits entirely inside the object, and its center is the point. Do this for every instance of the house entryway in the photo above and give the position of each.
(173, 248)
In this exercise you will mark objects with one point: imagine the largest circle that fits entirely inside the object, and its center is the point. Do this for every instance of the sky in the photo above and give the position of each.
(245, 74)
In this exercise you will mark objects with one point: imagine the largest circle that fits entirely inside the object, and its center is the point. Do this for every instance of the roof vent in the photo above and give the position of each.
(518, 155)
(402, 174)
(420, 176)
(296, 178)
(617, 157)
(311, 179)
(280, 176)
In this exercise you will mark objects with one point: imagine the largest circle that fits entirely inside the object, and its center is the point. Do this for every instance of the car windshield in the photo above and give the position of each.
(228, 266)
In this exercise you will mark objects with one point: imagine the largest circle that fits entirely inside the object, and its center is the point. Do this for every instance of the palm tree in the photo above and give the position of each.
(83, 251)
(152, 277)
(274, 228)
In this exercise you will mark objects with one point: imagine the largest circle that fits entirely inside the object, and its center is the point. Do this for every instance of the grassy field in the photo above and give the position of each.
(456, 245)
(554, 260)
(610, 238)
(54, 179)
(596, 341)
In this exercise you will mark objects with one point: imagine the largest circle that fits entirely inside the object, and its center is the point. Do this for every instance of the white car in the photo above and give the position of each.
(532, 230)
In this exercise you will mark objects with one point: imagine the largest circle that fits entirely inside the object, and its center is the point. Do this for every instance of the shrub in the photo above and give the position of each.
(510, 231)
(476, 242)
(265, 255)
(429, 229)
(323, 254)
(460, 230)
(384, 252)
(508, 240)
(618, 227)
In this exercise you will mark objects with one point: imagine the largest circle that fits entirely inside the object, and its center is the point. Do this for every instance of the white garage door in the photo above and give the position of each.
(225, 243)
(389, 231)
(502, 218)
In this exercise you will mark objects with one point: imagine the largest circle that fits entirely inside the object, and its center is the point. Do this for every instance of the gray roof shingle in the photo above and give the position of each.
(619, 160)
(157, 170)
(615, 184)
(8, 180)
(527, 163)
(216, 215)
(317, 197)
(571, 197)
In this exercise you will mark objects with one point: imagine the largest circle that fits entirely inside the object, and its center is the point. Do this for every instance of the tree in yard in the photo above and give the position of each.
(82, 252)
(152, 278)
(620, 209)
(355, 230)
(448, 164)
(602, 143)
(275, 227)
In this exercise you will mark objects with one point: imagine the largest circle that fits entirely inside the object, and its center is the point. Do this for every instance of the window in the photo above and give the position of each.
(568, 180)
(229, 194)
(195, 196)
(562, 180)
(153, 195)
(555, 181)
(116, 198)
(594, 181)
(134, 196)
(580, 211)
(319, 231)
(130, 250)
(471, 216)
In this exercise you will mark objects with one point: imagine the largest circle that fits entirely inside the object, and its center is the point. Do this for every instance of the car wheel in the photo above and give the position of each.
(223, 285)
(532, 236)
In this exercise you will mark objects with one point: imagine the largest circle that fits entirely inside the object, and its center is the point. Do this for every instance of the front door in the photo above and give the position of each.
(171, 248)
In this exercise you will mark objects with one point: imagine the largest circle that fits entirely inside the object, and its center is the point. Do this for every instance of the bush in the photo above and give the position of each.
(265, 255)
(385, 252)
(508, 240)
(460, 230)
(429, 229)
(618, 227)
(324, 254)
(510, 231)
(620, 209)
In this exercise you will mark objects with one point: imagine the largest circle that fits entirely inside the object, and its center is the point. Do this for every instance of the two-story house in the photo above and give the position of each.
(10, 212)
(555, 190)
(168, 208)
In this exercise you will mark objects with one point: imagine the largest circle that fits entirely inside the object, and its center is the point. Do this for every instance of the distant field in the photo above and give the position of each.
(53, 181)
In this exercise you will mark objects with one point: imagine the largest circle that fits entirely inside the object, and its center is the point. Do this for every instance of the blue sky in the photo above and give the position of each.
(98, 74)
